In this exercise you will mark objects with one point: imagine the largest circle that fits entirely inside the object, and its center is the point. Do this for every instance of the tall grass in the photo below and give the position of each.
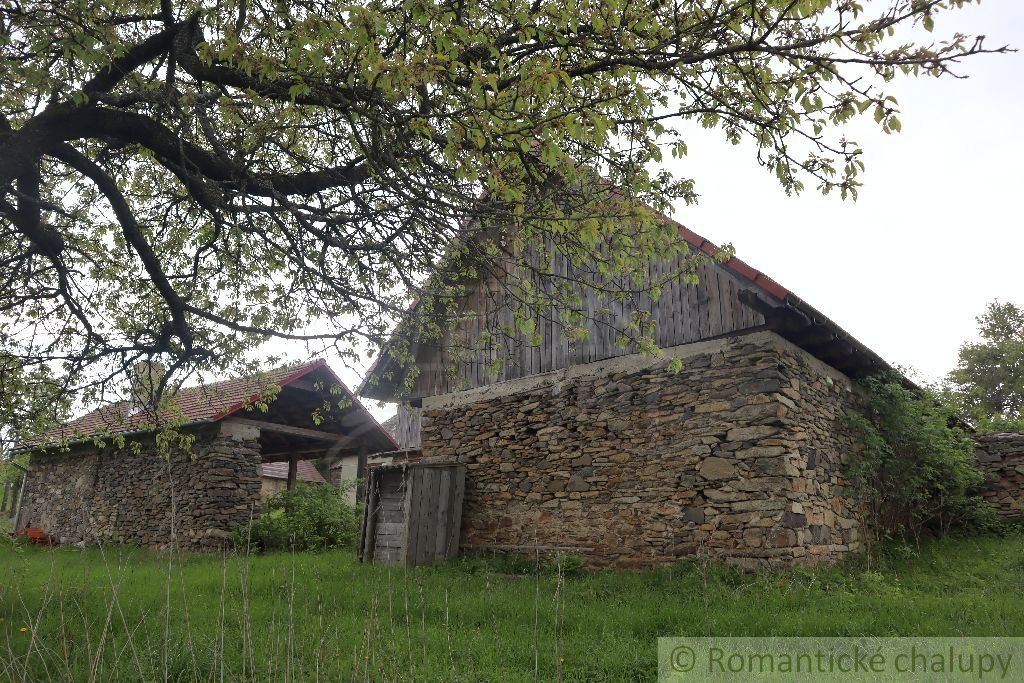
(123, 614)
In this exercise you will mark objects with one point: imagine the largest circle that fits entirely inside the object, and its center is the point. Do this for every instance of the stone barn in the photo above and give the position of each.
(619, 455)
(103, 478)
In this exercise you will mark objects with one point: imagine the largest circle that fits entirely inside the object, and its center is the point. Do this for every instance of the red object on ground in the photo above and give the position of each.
(37, 536)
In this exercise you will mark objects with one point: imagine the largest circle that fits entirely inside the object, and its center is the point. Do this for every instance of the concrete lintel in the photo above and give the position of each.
(635, 362)
(239, 431)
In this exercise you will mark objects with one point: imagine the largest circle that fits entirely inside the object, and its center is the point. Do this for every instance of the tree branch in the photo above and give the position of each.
(132, 234)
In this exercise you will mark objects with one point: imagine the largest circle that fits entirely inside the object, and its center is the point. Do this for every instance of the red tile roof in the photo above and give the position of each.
(206, 403)
(737, 266)
(305, 471)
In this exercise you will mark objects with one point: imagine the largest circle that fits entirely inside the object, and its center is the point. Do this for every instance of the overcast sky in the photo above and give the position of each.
(937, 231)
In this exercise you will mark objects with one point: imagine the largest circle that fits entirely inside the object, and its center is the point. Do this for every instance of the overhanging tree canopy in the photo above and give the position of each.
(187, 179)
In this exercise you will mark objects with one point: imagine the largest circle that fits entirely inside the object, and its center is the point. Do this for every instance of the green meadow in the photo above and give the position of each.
(125, 614)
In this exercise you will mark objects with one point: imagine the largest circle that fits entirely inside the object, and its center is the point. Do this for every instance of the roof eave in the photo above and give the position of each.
(78, 441)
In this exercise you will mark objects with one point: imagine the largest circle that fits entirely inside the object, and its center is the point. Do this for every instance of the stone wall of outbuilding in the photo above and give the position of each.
(1001, 456)
(108, 495)
(736, 456)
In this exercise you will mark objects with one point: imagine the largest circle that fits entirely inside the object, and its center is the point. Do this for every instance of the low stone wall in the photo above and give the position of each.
(146, 498)
(736, 456)
(1001, 456)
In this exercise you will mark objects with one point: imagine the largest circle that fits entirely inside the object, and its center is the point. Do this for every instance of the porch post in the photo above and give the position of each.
(293, 466)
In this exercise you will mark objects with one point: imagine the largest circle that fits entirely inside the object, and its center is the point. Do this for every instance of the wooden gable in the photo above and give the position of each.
(683, 313)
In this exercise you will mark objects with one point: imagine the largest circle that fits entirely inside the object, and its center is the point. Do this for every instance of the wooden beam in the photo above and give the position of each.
(293, 469)
(813, 336)
(830, 353)
(290, 430)
(281, 456)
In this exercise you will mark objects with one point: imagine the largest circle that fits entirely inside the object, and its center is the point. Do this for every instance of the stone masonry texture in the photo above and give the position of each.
(737, 456)
(1001, 456)
(93, 495)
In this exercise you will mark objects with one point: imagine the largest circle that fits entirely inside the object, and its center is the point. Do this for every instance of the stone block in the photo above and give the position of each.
(716, 468)
(750, 433)
(794, 520)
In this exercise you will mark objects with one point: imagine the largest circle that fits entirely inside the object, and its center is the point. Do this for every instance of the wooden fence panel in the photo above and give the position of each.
(413, 514)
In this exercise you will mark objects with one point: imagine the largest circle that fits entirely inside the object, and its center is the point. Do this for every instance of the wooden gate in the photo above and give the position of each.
(413, 513)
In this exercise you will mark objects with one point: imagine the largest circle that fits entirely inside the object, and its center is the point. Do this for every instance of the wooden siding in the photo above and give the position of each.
(407, 426)
(683, 313)
(413, 515)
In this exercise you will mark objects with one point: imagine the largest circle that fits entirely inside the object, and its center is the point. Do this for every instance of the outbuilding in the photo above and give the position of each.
(729, 443)
(106, 476)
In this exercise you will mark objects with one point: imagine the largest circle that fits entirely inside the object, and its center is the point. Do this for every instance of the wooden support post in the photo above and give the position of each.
(361, 474)
(293, 467)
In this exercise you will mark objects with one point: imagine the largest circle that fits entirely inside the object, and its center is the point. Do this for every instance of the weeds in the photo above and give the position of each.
(120, 614)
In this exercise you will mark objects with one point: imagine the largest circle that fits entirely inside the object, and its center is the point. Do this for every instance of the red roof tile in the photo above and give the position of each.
(209, 402)
(305, 471)
(734, 264)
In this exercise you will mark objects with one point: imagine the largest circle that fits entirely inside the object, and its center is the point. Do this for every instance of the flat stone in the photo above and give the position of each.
(793, 520)
(716, 468)
(750, 433)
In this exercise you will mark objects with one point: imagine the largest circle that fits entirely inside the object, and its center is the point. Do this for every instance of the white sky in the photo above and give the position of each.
(937, 231)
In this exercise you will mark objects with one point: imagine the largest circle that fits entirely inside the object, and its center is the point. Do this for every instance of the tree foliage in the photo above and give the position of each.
(32, 401)
(915, 472)
(186, 179)
(988, 381)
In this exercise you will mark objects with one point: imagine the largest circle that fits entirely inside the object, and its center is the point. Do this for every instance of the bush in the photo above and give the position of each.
(915, 472)
(308, 518)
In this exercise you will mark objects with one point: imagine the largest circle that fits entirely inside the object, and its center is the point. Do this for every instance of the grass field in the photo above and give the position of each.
(122, 614)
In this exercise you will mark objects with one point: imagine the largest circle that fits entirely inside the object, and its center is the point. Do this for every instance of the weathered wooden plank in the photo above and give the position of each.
(693, 293)
(368, 530)
(588, 349)
(458, 493)
(662, 311)
(680, 304)
(703, 304)
(725, 298)
(739, 311)
(416, 521)
(389, 529)
(428, 535)
(410, 530)
(441, 531)
(416, 510)
(391, 525)
(715, 327)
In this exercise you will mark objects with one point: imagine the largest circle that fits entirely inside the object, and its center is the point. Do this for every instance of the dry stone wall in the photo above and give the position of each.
(738, 456)
(1001, 456)
(108, 495)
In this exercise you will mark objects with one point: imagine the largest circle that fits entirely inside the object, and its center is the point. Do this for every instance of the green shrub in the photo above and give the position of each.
(915, 472)
(308, 518)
